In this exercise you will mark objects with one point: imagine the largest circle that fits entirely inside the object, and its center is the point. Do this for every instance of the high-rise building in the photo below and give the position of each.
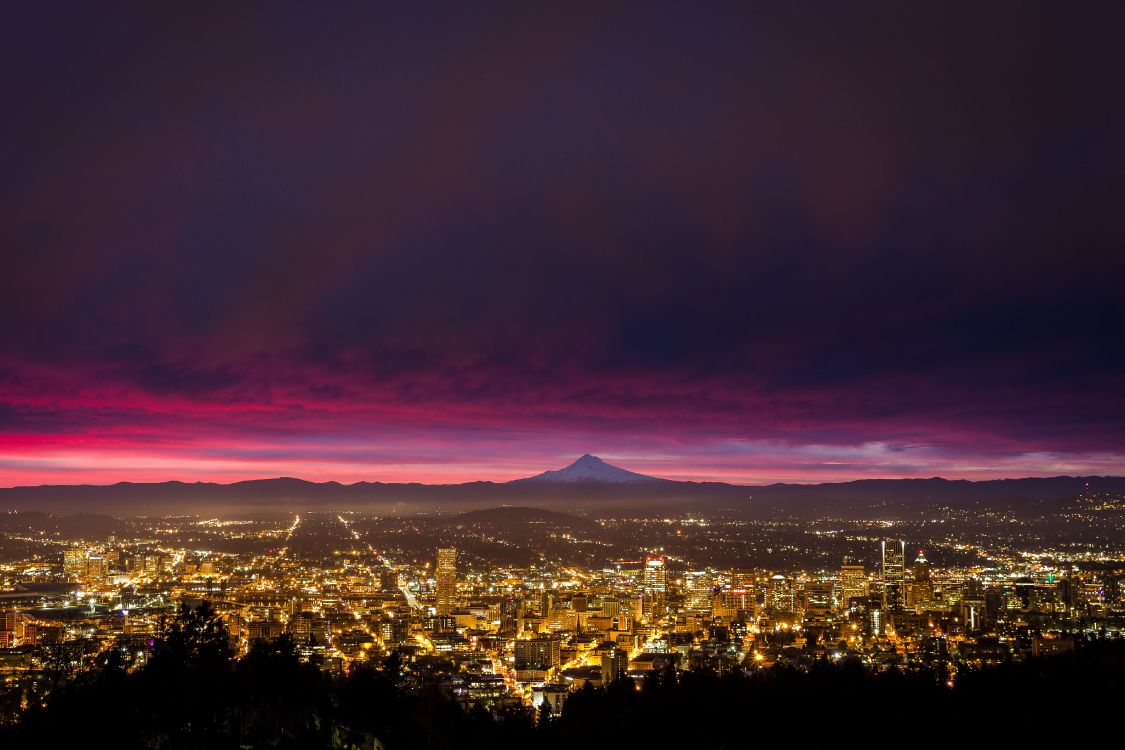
(853, 582)
(446, 580)
(615, 661)
(11, 627)
(779, 596)
(818, 601)
(922, 587)
(655, 588)
(74, 563)
(894, 574)
(96, 566)
(699, 596)
(152, 566)
(535, 656)
(508, 613)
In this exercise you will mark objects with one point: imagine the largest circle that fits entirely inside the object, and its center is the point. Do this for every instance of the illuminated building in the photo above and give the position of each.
(96, 567)
(1045, 646)
(553, 695)
(154, 565)
(307, 628)
(818, 602)
(265, 630)
(74, 563)
(853, 582)
(779, 597)
(615, 662)
(446, 580)
(508, 613)
(894, 574)
(698, 597)
(655, 588)
(973, 614)
(922, 588)
(534, 657)
(11, 628)
(875, 621)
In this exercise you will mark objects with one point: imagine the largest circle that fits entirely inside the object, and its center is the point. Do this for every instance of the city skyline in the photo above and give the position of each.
(458, 376)
(542, 617)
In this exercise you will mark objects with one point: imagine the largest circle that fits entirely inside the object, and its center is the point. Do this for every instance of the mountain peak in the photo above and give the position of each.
(590, 468)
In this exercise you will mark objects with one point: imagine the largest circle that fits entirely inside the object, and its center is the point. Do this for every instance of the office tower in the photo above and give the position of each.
(734, 603)
(875, 618)
(923, 585)
(894, 574)
(779, 596)
(74, 563)
(96, 567)
(152, 566)
(818, 602)
(446, 580)
(698, 597)
(534, 657)
(973, 614)
(547, 601)
(11, 627)
(615, 662)
(655, 588)
(853, 582)
(509, 614)
(635, 607)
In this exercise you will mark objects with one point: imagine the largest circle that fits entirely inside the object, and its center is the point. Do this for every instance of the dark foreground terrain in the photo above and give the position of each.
(192, 693)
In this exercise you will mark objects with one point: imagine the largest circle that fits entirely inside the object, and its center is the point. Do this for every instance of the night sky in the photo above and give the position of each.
(804, 243)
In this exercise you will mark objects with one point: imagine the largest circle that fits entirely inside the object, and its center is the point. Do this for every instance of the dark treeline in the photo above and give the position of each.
(193, 693)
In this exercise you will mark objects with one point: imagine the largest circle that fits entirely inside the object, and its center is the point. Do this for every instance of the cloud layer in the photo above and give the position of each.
(734, 244)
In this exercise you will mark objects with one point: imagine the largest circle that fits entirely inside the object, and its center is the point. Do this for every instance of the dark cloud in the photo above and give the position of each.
(834, 223)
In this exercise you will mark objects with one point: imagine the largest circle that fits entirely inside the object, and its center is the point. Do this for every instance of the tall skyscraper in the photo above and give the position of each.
(655, 587)
(894, 574)
(614, 662)
(779, 597)
(509, 614)
(96, 566)
(11, 628)
(446, 580)
(698, 594)
(74, 563)
(923, 585)
(853, 582)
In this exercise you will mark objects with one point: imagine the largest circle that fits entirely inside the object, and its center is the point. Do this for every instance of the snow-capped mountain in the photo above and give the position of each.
(592, 469)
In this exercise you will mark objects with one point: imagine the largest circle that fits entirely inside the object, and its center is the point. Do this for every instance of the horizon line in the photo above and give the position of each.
(579, 482)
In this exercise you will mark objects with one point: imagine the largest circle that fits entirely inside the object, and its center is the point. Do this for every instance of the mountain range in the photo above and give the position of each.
(588, 484)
